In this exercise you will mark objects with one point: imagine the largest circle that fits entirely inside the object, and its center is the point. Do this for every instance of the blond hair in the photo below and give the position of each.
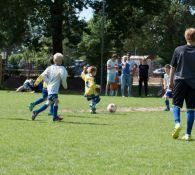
(57, 58)
(190, 35)
(125, 57)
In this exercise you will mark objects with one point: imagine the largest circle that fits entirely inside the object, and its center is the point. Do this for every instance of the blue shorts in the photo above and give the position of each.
(168, 94)
(52, 97)
(111, 77)
(44, 93)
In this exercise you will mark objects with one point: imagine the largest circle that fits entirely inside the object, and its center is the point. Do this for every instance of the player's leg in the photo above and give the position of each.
(54, 99)
(179, 92)
(167, 108)
(41, 109)
(40, 100)
(190, 114)
(51, 109)
(95, 100)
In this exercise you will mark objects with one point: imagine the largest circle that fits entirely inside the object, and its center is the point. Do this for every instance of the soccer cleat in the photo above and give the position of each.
(58, 118)
(93, 111)
(34, 114)
(31, 106)
(176, 132)
(186, 137)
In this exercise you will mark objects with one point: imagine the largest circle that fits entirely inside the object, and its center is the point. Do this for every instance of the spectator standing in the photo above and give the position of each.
(112, 69)
(125, 76)
(143, 76)
(133, 67)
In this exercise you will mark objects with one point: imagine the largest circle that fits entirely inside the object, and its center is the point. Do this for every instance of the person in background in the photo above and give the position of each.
(114, 86)
(133, 67)
(166, 83)
(143, 76)
(125, 76)
(112, 69)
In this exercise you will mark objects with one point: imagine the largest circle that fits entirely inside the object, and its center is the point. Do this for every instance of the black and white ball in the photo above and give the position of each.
(111, 108)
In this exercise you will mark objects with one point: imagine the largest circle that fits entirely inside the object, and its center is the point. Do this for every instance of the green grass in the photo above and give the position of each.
(124, 143)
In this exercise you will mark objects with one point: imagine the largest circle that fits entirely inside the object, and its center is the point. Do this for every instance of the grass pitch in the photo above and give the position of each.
(127, 142)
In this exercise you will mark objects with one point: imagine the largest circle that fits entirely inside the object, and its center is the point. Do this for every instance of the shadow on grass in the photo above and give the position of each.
(78, 116)
(180, 139)
(85, 123)
(22, 119)
(43, 121)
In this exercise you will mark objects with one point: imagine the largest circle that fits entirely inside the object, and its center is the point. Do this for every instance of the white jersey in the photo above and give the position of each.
(167, 80)
(112, 66)
(53, 76)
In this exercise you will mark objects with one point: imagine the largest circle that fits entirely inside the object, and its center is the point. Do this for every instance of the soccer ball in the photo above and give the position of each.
(111, 108)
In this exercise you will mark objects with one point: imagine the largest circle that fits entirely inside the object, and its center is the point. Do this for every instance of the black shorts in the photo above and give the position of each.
(182, 91)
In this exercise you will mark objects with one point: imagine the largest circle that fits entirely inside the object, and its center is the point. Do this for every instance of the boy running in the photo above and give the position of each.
(53, 76)
(92, 90)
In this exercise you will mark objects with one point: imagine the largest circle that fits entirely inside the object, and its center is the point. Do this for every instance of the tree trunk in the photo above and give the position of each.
(56, 10)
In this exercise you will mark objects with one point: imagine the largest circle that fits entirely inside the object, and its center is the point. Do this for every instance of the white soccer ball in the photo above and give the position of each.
(111, 108)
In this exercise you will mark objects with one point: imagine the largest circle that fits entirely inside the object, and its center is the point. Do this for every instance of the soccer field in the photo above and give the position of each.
(134, 140)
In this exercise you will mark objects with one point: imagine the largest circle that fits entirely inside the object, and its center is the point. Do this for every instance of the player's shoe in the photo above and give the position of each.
(93, 111)
(31, 106)
(176, 131)
(167, 109)
(58, 118)
(34, 114)
(186, 137)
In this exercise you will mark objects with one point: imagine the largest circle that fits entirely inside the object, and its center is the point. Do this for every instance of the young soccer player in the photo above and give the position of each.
(168, 92)
(182, 80)
(53, 76)
(27, 85)
(92, 90)
(38, 81)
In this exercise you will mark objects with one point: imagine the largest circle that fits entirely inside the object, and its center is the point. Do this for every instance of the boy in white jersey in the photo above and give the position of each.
(53, 76)
(166, 83)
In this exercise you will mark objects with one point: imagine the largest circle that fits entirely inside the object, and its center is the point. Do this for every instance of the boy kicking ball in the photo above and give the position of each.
(182, 80)
(53, 76)
(166, 83)
(92, 90)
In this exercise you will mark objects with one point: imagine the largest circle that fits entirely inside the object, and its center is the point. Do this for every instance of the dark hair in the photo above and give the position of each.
(92, 69)
(167, 66)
